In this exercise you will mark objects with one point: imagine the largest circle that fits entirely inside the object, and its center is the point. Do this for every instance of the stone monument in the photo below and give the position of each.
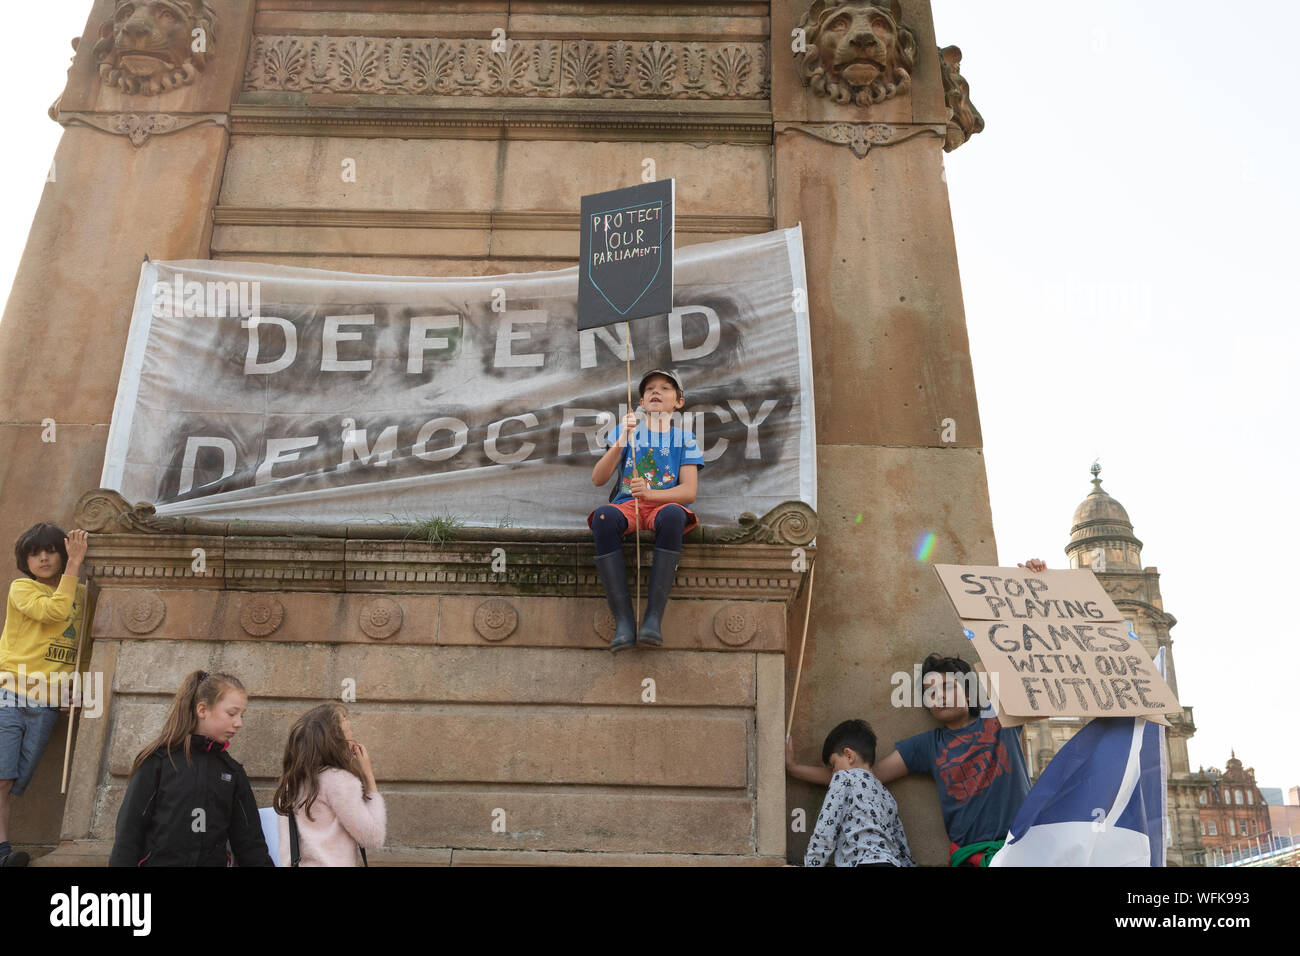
(472, 129)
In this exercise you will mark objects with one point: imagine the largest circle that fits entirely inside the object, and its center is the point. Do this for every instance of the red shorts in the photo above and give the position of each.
(648, 512)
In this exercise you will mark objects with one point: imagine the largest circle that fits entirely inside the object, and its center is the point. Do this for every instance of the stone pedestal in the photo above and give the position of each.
(898, 430)
(501, 727)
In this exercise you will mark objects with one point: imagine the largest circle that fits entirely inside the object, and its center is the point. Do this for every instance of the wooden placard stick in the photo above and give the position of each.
(636, 502)
(82, 628)
(794, 696)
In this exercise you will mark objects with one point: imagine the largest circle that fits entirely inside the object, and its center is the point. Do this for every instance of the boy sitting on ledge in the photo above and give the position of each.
(656, 487)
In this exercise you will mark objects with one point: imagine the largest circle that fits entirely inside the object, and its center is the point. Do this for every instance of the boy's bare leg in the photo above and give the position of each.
(11, 857)
(5, 787)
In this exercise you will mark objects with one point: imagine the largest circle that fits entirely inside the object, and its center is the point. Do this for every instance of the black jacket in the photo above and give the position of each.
(159, 825)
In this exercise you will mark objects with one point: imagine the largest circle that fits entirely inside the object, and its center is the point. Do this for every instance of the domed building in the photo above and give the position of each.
(1102, 540)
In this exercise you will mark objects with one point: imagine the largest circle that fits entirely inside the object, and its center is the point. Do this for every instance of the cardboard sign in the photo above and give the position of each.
(625, 264)
(1017, 594)
(1070, 669)
(1055, 645)
(1005, 719)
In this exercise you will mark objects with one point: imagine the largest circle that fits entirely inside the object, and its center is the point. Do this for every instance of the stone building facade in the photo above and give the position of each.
(1234, 814)
(1102, 539)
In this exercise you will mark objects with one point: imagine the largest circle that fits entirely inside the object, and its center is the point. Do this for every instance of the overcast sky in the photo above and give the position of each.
(1125, 227)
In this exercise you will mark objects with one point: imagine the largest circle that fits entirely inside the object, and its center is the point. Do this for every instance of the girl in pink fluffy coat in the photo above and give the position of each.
(329, 786)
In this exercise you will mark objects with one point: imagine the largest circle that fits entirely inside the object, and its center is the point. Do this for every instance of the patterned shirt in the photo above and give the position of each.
(659, 458)
(980, 773)
(858, 824)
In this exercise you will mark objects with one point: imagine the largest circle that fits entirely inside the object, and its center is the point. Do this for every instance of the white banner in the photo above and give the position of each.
(272, 393)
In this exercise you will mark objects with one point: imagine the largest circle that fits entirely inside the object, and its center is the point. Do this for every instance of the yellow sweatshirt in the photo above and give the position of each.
(40, 633)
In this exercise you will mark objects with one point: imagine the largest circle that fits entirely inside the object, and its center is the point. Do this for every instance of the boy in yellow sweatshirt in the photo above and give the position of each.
(39, 642)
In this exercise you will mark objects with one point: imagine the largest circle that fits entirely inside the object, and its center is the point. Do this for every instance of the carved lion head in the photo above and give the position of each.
(964, 120)
(149, 46)
(858, 51)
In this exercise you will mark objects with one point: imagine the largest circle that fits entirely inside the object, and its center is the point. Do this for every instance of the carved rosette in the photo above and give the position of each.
(142, 613)
(261, 615)
(856, 52)
(863, 137)
(496, 619)
(602, 623)
(656, 69)
(735, 625)
(381, 618)
(791, 522)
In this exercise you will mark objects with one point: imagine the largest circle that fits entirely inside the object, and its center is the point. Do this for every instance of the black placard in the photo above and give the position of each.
(625, 268)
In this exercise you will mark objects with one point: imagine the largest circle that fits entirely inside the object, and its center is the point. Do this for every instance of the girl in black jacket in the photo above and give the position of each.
(182, 813)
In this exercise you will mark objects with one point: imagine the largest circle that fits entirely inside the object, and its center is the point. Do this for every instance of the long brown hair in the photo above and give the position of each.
(183, 718)
(316, 742)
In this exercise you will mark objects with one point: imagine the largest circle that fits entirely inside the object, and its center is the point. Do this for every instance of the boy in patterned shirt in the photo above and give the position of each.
(859, 822)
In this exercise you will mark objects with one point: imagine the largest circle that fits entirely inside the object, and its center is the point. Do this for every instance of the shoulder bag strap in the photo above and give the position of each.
(618, 472)
(295, 854)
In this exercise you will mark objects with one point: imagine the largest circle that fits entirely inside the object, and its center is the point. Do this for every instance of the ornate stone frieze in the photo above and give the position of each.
(964, 120)
(132, 545)
(540, 67)
(138, 127)
(152, 48)
(856, 52)
(862, 137)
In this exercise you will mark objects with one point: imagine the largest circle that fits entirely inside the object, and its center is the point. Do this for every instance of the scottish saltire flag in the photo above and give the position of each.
(1100, 802)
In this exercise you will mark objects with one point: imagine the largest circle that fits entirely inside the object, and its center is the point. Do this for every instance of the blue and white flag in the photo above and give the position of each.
(1100, 802)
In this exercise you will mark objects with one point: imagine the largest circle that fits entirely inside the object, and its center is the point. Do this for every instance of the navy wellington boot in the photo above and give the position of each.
(661, 582)
(613, 575)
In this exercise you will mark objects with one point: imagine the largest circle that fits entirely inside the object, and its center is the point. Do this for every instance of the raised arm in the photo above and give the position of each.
(31, 600)
(613, 456)
(802, 771)
(891, 768)
(365, 820)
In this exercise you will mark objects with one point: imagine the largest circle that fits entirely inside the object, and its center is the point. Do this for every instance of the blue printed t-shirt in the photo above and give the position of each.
(980, 773)
(659, 458)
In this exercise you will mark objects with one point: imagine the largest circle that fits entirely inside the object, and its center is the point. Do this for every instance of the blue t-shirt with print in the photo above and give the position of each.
(980, 773)
(659, 458)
